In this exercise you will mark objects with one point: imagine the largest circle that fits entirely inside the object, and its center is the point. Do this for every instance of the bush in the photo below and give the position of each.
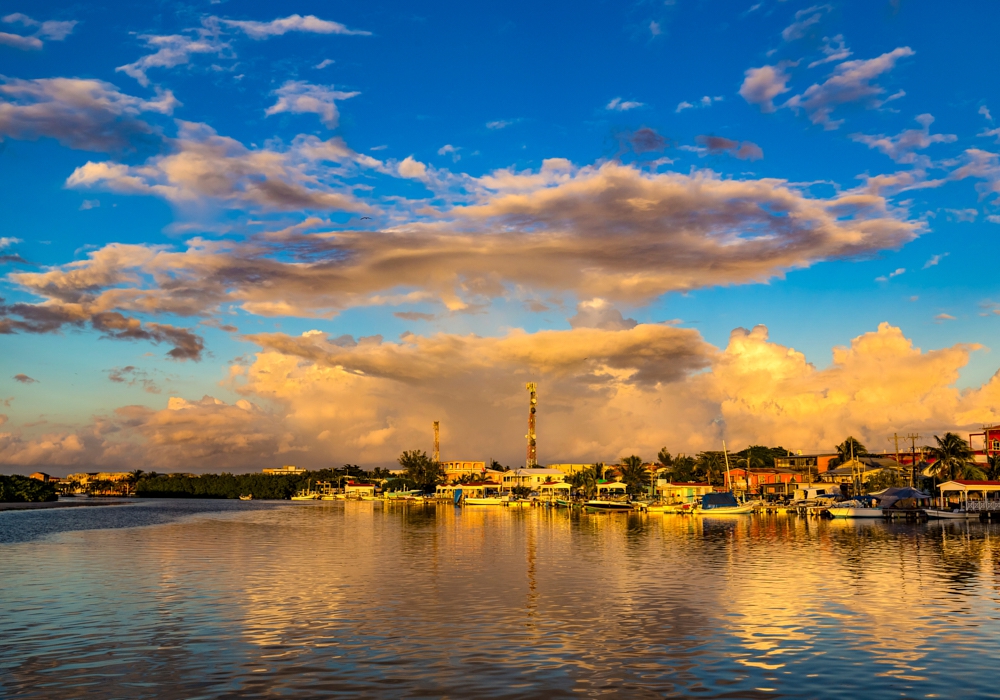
(21, 489)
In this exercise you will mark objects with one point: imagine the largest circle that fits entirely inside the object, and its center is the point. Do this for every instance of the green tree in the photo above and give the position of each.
(664, 458)
(586, 479)
(634, 473)
(496, 466)
(993, 467)
(711, 465)
(845, 449)
(421, 469)
(954, 458)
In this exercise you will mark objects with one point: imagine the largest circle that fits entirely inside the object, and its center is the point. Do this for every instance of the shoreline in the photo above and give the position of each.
(59, 504)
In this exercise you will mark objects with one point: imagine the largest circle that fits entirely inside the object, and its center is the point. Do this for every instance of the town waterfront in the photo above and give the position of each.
(211, 599)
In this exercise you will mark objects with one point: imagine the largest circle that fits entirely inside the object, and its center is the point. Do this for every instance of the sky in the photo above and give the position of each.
(237, 234)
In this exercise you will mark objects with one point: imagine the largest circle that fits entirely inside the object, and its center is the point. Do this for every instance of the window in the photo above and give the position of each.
(995, 445)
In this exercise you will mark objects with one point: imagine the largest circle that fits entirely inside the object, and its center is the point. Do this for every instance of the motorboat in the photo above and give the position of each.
(670, 508)
(602, 506)
(724, 503)
(855, 509)
(483, 501)
(248, 497)
(942, 514)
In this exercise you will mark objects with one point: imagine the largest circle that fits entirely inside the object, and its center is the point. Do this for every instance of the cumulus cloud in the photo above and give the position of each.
(761, 85)
(982, 165)
(24, 379)
(598, 313)
(170, 51)
(602, 393)
(620, 105)
(205, 167)
(301, 97)
(611, 231)
(903, 146)
(746, 150)
(89, 115)
(850, 82)
(51, 30)
(293, 23)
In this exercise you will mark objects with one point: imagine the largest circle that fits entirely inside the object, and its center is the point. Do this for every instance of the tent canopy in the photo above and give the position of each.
(898, 493)
(612, 486)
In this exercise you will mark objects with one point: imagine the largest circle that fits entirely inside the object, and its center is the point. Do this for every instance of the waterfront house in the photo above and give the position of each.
(570, 469)
(286, 470)
(353, 489)
(810, 464)
(985, 444)
(532, 477)
(682, 491)
(456, 469)
(969, 494)
(765, 481)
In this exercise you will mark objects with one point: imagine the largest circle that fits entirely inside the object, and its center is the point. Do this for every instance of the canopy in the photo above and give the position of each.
(891, 496)
(724, 499)
(612, 486)
(555, 485)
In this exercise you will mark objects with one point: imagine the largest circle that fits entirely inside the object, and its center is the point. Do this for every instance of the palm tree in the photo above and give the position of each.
(993, 472)
(586, 479)
(634, 474)
(710, 464)
(845, 450)
(954, 457)
(664, 458)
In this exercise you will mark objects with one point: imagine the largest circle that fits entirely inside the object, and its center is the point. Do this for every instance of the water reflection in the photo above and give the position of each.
(195, 600)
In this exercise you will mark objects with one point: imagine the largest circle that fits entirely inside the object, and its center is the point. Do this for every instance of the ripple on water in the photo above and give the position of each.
(209, 599)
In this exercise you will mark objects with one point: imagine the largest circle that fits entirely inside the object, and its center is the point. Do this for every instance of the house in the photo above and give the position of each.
(570, 469)
(532, 477)
(286, 470)
(682, 491)
(864, 468)
(812, 463)
(985, 444)
(353, 489)
(968, 494)
(456, 469)
(40, 476)
(766, 481)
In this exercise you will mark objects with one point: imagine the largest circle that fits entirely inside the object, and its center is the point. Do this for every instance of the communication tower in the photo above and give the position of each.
(532, 454)
(437, 441)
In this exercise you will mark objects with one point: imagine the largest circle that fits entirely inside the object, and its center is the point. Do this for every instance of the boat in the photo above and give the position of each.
(942, 514)
(306, 494)
(483, 501)
(724, 503)
(854, 509)
(602, 506)
(670, 508)
(248, 497)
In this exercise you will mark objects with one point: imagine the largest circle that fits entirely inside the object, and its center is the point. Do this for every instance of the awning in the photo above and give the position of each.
(612, 486)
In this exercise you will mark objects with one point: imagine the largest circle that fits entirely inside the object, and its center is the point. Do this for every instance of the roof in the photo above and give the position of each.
(540, 471)
(688, 483)
(961, 484)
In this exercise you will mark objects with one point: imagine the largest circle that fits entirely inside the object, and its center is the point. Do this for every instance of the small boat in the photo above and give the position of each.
(248, 497)
(724, 503)
(941, 514)
(600, 506)
(862, 507)
(670, 508)
(483, 501)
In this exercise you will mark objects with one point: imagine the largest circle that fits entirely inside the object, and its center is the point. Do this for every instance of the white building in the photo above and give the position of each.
(532, 478)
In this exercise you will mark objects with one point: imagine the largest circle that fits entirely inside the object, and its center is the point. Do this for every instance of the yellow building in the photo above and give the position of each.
(570, 469)
(456, 469)
(532, 478)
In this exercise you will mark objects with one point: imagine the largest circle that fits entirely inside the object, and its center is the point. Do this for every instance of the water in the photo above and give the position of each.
(218, 599)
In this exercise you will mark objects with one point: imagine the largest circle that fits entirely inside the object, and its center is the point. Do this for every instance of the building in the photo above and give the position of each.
(985, 444)
(353, 489)
(570, 469)
(530, 477)
(681, 491)
(765, 481)
(286, 470)
(42, 476)
(456, 469)
(865, 468)
(814, 463)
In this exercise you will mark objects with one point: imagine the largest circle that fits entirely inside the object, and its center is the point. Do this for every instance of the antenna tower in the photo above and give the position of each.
(437, 441)
(532, 454)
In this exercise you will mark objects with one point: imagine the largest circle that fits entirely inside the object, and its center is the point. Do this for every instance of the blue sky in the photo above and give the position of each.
(107, 113)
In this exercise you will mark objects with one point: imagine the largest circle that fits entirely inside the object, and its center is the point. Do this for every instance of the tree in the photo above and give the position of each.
(684, 469)
(664, 458)
(846, 449)
(586, 479)
(421, 469)
(711, 464)
(496, 466)
(634, 473)
(993, 469)
(954, 459)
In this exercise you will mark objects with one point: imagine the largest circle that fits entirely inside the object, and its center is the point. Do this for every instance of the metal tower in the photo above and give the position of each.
(437, 441)
(532, 454)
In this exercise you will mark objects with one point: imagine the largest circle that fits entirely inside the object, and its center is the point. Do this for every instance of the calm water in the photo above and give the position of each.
(185, 599)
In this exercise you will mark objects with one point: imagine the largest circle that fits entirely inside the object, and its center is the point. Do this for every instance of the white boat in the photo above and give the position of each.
(600, 506)
(724, 503)
(940, 514)
(854, 509)
(483, 501)
(741, 509)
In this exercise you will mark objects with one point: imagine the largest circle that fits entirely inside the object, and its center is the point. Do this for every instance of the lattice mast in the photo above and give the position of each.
(437, 441)
(532, 454)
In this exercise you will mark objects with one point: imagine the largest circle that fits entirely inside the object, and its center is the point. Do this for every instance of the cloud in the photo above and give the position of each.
(644, 140)
(51, 30)
(705, 101)
(761, 85)
(449, 149)
(414, 316)
(834, 49)
(205, 167)
(981, 165)
(602, 393)
(611, 231)
(962, 215)
(598, 313)
(903, 146)
(90, 204)
(324, 63)
(24, 379)
(7, 241)
(934, 260)
(747, 150)
(944, 317)
(301, 97)
(90, 115)
(619, 105)
(501, 123)
(133, 376)
(805, 21)
(850, 82)
(895, 273)
(170, 51)
(293, 23)
(654, 28)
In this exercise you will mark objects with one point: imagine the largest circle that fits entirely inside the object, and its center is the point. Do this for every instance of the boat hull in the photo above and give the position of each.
(728, 510)
(483, 501)
(936, 514)
(607, 506)
(855, 512)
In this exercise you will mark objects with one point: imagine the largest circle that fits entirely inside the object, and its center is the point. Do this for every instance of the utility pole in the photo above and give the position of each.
(895, 439)
(437, 441)
(912, 437)
(532, 460)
